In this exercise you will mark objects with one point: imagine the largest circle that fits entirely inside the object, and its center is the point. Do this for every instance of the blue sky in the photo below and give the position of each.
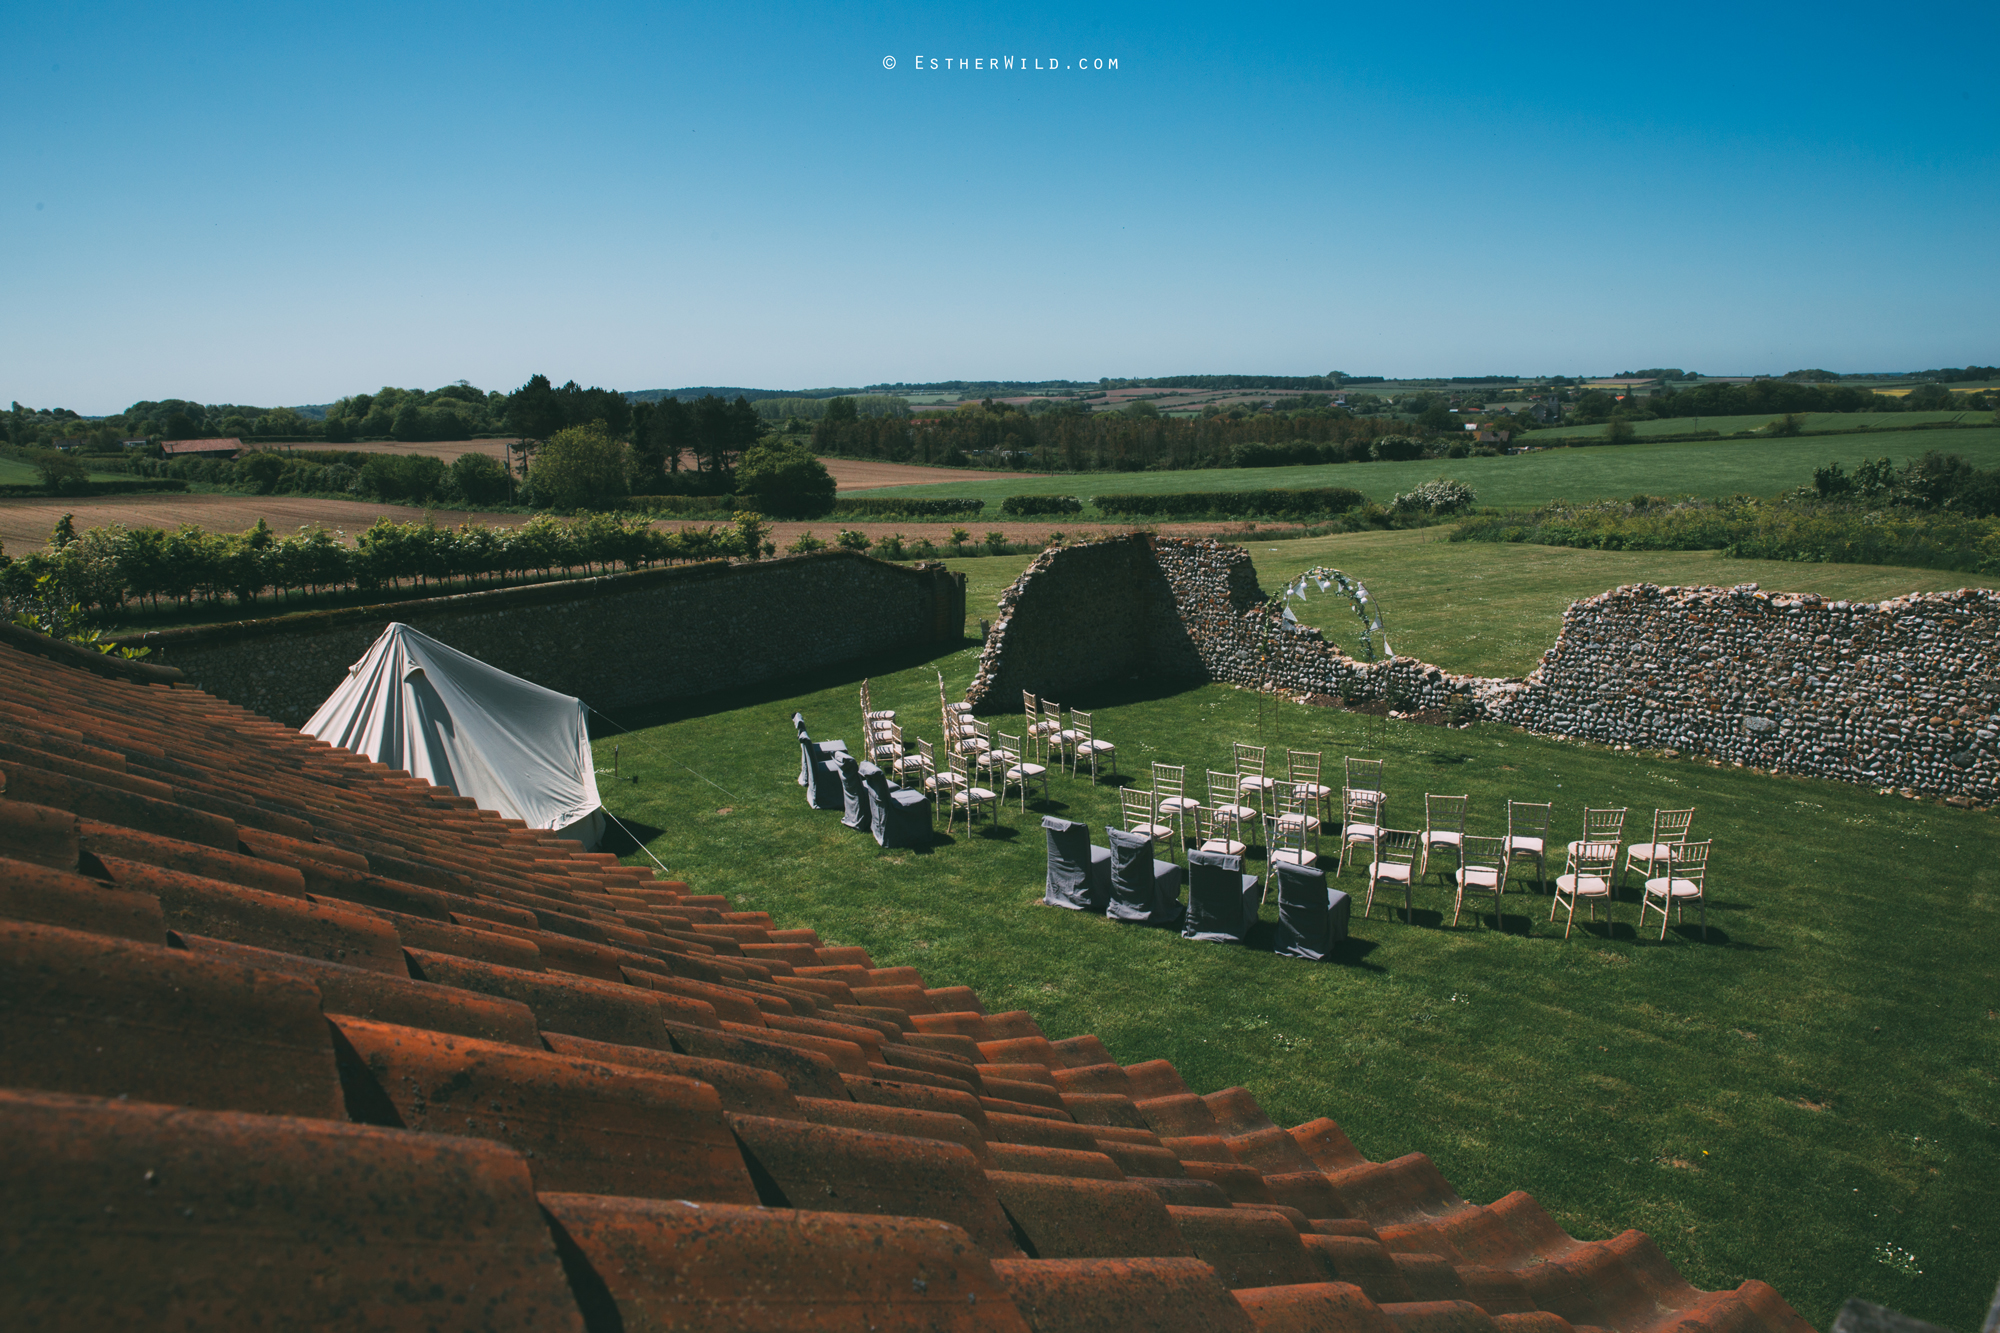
(285, 203)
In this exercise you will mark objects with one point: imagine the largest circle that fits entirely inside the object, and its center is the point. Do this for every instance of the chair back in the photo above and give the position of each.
(961, 767)
(1169, 780)
(1007, 747)
(1603, 825)
(1397, 847)
(1221, 788)
(1079, 722)
(1031, 708)
(1444, 814)
(1294, 800)
(1690, 862)
(1208, 828)
(1287, 842)
(1594, 859)
(1312, 918)
(1485, 853)
(1221, 906)
(1672, 825)
(1052, 714)
(1361, 807)
(1530, 819)
(927, 758)
(1138, 806)
(1303, 766)
(1249, 760)
(1363, 775)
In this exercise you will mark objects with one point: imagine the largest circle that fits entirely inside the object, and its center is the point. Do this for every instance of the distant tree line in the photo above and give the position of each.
(1775, 396)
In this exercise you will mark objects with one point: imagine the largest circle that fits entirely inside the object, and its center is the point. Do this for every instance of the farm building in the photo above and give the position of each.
(217, 448)
(298, 1039)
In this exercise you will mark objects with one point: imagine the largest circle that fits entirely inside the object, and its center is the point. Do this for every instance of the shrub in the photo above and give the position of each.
(1021, 506)
(1396, 448)
(1236, 504)
(891, 548)
(996, 543)
(1619, 431)
(852, 541)
(908, 508)
(1443, 496)
(478, 479)
(750, 530)
(785, 480)
(581, 467)
(806, 544)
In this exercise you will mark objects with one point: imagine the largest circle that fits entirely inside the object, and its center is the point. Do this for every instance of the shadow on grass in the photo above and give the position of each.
(626, 836)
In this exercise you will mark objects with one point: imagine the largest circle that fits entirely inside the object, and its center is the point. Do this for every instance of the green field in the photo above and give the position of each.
(1840, 421)
(1724, 467)
(13, 472)
(1486, 608)
(1808, 1097)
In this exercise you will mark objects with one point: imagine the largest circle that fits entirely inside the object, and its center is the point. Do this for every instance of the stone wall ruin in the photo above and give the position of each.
(1903, 694)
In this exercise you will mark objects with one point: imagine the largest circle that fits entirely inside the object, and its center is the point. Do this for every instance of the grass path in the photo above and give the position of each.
(1491, 609)
(1725, 467)
(1808, 1097)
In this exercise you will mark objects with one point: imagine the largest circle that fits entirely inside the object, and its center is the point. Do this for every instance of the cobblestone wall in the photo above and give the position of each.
(618, 641)
(1902, 694)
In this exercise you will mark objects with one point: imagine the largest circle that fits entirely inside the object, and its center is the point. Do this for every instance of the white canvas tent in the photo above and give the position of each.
(413, 703)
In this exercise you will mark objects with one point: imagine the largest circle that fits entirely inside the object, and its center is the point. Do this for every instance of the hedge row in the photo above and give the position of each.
(1236, 504)
(1024, 505)
(909, 508)
(77, 486)
(104, 568)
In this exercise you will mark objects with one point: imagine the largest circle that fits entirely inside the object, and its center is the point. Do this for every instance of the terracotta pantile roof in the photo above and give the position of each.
(292, 1038)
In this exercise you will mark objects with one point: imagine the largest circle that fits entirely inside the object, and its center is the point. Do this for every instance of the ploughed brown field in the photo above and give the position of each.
(445, 449)
(859, 474)
(25, 524)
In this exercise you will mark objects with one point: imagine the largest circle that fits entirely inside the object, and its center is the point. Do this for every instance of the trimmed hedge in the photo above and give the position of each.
(136, 486)
(1023, 505)
(911, 508)
(1236, 504)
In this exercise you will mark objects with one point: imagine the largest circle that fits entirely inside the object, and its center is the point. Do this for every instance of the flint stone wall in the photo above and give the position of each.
(1902, 694)
(619, 641)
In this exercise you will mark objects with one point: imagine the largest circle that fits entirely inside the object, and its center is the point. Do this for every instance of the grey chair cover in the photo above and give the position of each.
(853, 793)
(1312, 918)
(1142, 889)
(1222, 900)
(1079, 874)
(810, 749)
(823, 785)
(897, 816)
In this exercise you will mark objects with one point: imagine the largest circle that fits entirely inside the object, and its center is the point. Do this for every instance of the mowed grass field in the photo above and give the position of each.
(1808, 1097)
(1842, 421)
(1485, 608)
(1722, 467)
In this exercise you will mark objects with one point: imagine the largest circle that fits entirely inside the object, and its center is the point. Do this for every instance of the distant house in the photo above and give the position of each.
(139, 443)
(69, 445)
(227, 449)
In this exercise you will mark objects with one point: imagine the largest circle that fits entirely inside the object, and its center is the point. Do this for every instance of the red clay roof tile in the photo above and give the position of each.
(1183, 1191)
(1239, 1182)
(806, 1073)
(1063, 1218)
(623, 1015)
(584, 1125)
(38, 834)
(1036, 1130)
(131, 1215)
(39, 895)
(1269, 1151)
(328, 931)
(111, 1018)
(657, 1264)
(833, 1169)
(92, 800)
(1103, 1108)
(1139, 1159)
(1361, 1261)
(1247, 1247)
(1319, 1307)
(402, 1000)
(905, 1120)
(1099, 1295)
(1030, 1160)
(1154, 1078)
(742, 1088)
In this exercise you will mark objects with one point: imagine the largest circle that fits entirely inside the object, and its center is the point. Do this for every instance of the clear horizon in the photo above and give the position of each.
(233, 204)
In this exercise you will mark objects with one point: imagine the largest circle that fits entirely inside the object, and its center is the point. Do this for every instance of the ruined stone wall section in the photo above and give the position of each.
(1902, 694)
(616, 642)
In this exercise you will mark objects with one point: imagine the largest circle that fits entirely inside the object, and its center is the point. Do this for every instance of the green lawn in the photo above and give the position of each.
(1808, 1097)
(1489, 608)
(14, 472)
(1759, 420)
(1723, 467)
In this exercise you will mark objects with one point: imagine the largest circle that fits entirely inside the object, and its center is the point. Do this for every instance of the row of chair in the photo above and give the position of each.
(835, 780)
(1126, 882)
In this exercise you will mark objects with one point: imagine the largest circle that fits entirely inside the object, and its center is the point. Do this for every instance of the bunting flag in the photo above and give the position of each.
(1290, 619)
